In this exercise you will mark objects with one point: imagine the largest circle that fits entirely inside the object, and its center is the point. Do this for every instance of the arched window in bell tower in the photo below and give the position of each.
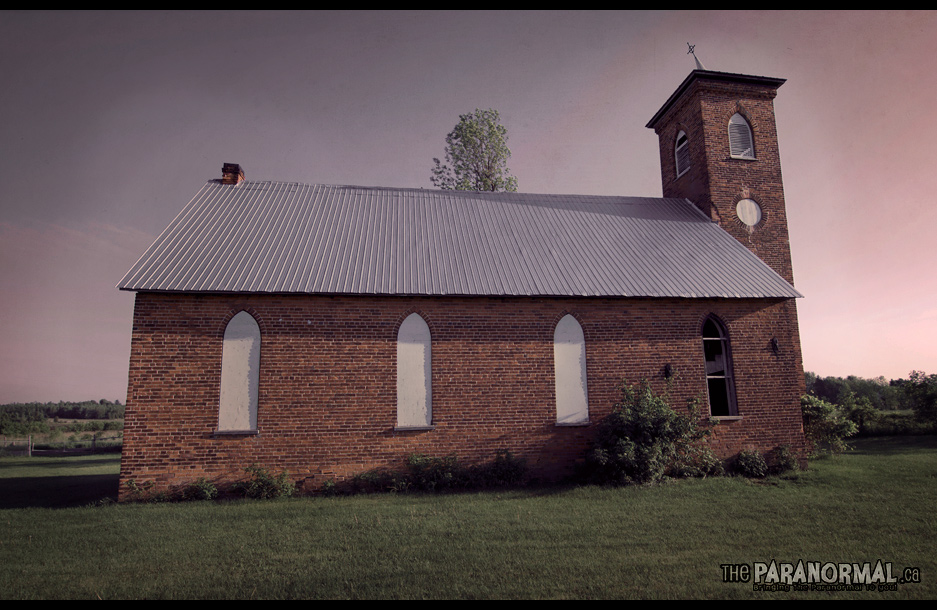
(741, 145)
(681, 153)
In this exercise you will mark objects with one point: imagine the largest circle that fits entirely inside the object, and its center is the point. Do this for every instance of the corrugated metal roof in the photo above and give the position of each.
(280, 237)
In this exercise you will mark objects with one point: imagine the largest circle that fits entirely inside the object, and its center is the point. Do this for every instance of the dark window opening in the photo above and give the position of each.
(718, 370)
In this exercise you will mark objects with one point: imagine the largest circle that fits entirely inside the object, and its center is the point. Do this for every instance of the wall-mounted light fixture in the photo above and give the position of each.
(668, 371)
(775, 346)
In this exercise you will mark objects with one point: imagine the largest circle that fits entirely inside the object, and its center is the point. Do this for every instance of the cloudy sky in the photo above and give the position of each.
(113, 121)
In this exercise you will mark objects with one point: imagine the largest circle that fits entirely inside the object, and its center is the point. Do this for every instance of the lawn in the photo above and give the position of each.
(875, 503)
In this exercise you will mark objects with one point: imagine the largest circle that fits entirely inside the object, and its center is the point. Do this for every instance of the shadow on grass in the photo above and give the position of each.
(73, 462)
(57, 492)
(58, 482)
(890, 445)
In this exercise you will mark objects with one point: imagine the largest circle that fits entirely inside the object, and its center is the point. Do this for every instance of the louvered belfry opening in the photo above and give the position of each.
(740, 138)
(231, 173)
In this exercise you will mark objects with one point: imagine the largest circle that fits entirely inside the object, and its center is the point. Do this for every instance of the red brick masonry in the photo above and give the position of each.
(327, 401)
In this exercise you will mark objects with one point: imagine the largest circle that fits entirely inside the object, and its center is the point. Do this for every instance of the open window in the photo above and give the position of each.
(569, 363)
(718, 369)
(240, 375)
(414, 374)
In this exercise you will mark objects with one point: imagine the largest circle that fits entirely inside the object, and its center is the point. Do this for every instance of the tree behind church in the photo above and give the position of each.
(476, 155)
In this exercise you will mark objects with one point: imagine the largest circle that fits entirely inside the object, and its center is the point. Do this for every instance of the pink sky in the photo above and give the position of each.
(112, 121)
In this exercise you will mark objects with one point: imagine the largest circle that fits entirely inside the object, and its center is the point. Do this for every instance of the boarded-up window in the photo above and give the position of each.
(414, 374)
(240, 374)
(569, 363)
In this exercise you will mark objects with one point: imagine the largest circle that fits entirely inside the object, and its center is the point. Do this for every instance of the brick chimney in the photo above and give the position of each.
(231, 173)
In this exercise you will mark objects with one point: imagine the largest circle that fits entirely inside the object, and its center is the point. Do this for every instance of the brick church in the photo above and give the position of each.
(330, 330)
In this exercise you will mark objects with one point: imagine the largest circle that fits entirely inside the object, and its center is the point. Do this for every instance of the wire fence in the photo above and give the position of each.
(28, 447)
(17, 446)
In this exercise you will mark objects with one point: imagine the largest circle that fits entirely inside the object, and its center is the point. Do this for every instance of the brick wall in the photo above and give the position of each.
(327, 401)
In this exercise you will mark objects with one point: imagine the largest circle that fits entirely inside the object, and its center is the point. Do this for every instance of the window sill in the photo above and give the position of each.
(412, 428)
(727, 417)
(573, 424)
(218, 433)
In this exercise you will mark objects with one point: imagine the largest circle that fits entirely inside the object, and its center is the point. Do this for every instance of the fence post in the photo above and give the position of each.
(29, 445)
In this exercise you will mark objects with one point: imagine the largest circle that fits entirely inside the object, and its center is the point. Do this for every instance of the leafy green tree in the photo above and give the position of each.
(476, 155)
(880, 393)
(860, 410)
(922, 389)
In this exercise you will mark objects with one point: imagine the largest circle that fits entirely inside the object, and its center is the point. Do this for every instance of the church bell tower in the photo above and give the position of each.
(719, 149)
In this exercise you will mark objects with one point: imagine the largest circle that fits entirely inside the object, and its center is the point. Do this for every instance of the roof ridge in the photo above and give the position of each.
(449, 192)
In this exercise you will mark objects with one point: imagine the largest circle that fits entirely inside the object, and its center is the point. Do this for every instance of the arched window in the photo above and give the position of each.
(569, 363)
(741, 145)
(414, 374)
(718, 369)
(240, 375)
(681, 153)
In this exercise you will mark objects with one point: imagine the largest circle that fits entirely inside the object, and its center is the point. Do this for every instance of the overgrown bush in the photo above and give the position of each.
(644, 440)
(263, 484)
(825, 425)
(143, 492)
(137, 492)
(200, 489)
(376, 481)
(750, 463)
(783, 460)
(434, 474)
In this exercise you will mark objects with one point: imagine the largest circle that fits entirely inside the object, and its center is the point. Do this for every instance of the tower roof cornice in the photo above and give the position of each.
(712, 76)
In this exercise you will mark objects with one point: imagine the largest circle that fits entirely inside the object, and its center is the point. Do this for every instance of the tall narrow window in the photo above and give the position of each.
(569, 363)
(741, 145)
(681, 153)
(414, 374)
(240, 375)
(718, 370)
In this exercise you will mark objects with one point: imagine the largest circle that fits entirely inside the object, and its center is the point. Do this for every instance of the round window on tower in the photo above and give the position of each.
(748, 212)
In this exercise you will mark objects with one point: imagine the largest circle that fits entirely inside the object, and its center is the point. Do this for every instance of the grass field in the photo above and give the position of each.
(876, 503)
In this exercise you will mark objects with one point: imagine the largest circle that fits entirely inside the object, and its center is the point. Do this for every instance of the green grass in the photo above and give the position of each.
(658, 542)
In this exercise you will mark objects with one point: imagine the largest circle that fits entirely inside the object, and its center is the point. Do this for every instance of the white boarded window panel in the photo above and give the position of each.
(240, 374)
(749, 212)
(569, 361)
(740, 138)
(414, 374)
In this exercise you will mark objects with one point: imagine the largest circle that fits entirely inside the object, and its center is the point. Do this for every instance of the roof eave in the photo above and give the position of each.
(710, 75)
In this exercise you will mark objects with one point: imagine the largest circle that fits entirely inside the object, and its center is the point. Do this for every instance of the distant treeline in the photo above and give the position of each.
(880, 407)
(883, 394)
(31, 417)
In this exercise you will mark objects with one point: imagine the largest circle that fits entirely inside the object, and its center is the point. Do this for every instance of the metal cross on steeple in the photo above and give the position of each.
(699, 64)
